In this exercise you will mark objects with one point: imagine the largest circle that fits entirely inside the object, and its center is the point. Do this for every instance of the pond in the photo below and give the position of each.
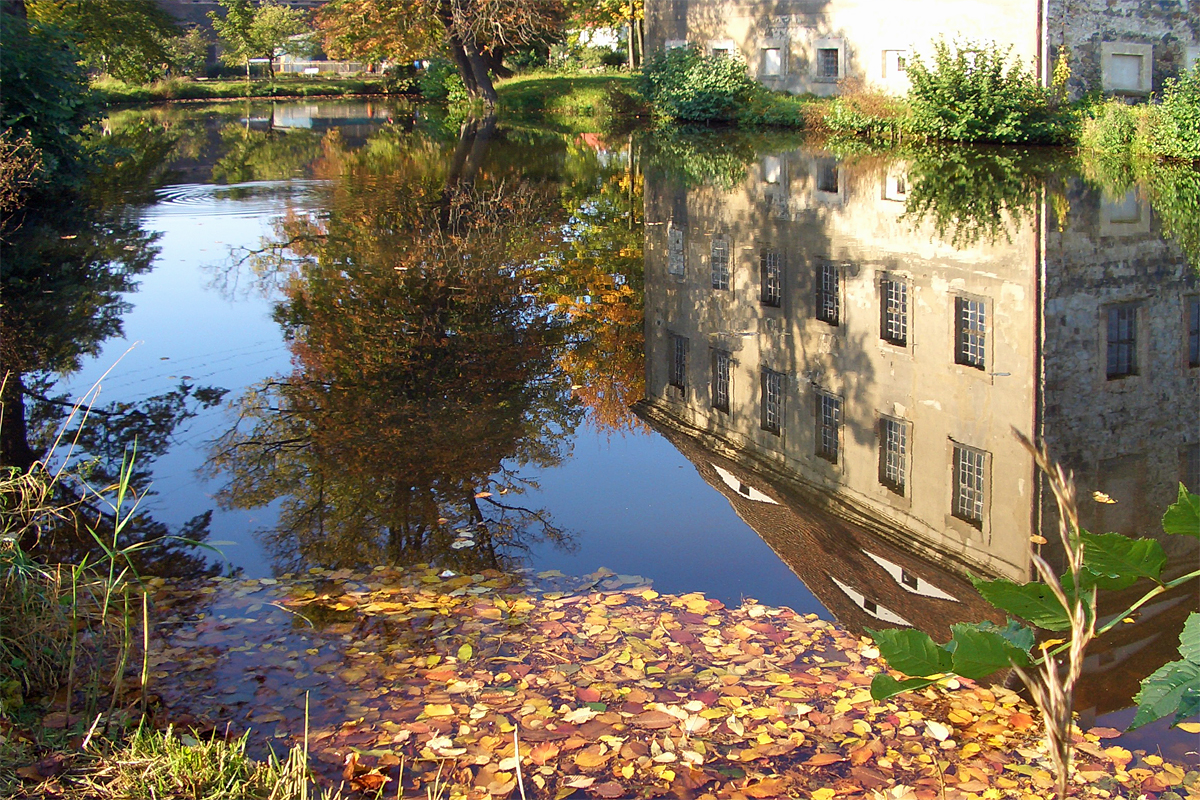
(352, 334)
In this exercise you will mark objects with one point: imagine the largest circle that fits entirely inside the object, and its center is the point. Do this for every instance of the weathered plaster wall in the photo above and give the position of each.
(868, 33)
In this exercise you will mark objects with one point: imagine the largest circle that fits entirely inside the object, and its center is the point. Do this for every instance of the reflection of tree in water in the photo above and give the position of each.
(66, 271)
(424, 377)
(248, 154)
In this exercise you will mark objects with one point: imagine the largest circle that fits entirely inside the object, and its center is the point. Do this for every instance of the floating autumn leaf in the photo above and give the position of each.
(543, 752)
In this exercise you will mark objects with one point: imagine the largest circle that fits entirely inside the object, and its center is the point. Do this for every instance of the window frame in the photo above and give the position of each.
(886, 425)
(827, 437)
(1191, 331)
(971, 352)
(902, 338)
(771, 415)
(676, 249)
(722, 373)
(720, 281)
(770, 292)
(678, 365)
(828, 300)
(1127, 363)
(980, 464)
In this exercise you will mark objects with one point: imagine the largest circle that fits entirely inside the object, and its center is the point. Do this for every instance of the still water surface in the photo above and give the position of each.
(744, 366)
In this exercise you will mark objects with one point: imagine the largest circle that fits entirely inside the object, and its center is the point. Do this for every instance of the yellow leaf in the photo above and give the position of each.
(464, 652)
(824, 793)
(439, 710)
(1189, 727)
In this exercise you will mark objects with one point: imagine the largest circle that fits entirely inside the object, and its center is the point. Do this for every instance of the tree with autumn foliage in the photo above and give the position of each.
(475, 33)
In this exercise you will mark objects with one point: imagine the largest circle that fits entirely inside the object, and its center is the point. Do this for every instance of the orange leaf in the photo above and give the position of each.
(824, 759)
(768, 787)
(543, 752)
(654, 720)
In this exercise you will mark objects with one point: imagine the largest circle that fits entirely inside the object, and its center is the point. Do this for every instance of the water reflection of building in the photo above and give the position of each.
(850, 381)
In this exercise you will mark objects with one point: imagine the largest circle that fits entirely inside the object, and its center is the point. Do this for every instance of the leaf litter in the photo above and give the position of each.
(612, 689)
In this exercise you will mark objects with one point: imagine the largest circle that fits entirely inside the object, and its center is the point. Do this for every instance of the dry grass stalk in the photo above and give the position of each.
(1052, 685)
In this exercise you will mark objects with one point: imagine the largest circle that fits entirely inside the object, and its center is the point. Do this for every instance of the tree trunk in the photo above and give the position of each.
(14, 7)
(630, 37)
(480, 69)
(641, 42)
(14, 436)
(495, 62)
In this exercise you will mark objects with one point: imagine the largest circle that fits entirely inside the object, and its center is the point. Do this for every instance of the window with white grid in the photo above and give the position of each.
(893, 453)
(1122, 341)
(894, 327)
(720, 380)
(719, 257)
(772, 401)
(771, 293)
(829, 420)
(679, 353)
(828, 305)
(968, 484)
(970, 335)
(675, 257)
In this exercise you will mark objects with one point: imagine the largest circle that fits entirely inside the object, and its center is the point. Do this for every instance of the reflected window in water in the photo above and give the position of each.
(893, 453)
(829, 420)
(827, 63)
(772, 400)
(894, 325)
(969, 465)
(679, 353)
(1191, 467)
(828, 279)
(970, 332)
(1193, 305)
(1122, 341)
(675, 252)
(720, 263)
(720, 380)
(771, 168)
(827, 179)
(771, 293)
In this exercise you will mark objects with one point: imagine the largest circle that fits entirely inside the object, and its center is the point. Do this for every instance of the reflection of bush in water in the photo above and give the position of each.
(717, 158)
(972, 195)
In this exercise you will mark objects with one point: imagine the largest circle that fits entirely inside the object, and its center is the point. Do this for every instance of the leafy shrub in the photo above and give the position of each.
(1109, 127)
(441, 81)
(687, 86)
(859, 111)
(1174, 129)
(973, 94)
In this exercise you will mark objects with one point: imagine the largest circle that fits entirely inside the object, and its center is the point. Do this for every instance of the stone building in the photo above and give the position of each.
(849, 379)
(1126, 47)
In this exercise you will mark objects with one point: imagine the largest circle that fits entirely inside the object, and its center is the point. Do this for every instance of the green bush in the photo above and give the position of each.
(441, 81)
(1174, 129)
(1109, 127)
(973, 94)
(686, 86)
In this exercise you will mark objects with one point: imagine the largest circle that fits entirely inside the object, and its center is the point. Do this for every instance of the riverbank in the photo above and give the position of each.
(604, 686)
(111, 92)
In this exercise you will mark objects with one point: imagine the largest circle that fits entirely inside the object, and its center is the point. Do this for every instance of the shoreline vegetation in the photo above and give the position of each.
(487, 686)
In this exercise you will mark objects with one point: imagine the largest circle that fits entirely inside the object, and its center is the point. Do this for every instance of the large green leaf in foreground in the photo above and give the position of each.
(1114, 561)
(1033, 602)
(1183, 516)
(1175, 687)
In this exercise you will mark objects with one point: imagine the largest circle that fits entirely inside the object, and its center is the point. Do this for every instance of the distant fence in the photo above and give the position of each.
(318, 67)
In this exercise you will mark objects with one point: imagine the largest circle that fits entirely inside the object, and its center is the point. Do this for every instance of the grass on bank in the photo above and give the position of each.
(114, 92)
(569, 103)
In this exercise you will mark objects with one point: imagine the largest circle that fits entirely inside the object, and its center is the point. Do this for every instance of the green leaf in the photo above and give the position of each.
(1183, 516)
(1189, 638)
(884, 686)
(1114, 561)
(1033, 602)
(912, 652)
(1173, 689)
(1016, 633)
(978, 653)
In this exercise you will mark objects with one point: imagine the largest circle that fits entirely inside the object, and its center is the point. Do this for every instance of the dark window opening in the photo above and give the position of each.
(908, 579)
(1122, 342)
(679, 353)
(827, 63)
